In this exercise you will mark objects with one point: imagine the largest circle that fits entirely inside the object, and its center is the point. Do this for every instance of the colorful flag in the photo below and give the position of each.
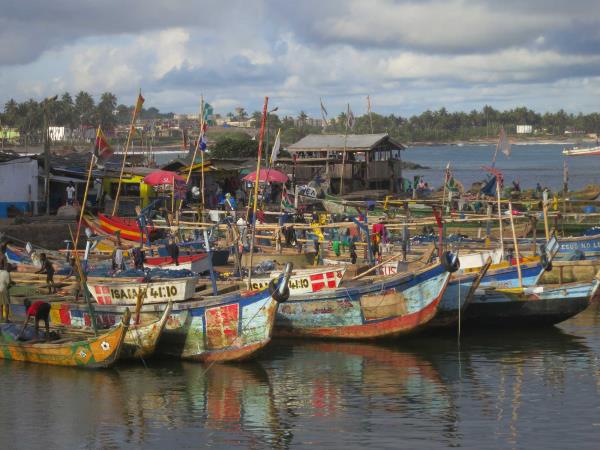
(203, 142)
(138, 105)
(504, 143)
(102, 149)
(286, 203)
(276, 146)
(323, 112)
(349, 118)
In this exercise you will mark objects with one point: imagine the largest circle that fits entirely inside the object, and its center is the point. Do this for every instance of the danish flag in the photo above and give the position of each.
(320, 281)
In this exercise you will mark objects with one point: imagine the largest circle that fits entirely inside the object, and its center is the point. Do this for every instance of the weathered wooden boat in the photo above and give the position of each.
(126, 293)
(127, 227)
(383, 308)
(589, 193)
(299, 260)
(71, 319)
(197, 263)
(535, 305)
(91, 353)
(304, 281)
(141, 339)
(589, 245)
(457, 296)
(228, 327)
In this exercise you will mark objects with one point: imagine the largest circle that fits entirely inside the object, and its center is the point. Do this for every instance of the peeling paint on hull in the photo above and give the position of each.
(398, 305)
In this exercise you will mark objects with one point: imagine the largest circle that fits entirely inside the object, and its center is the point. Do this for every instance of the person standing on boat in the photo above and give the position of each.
(118, 261)
(48, 269)
(5, 284)
(138, 258)
(39, 310)
(173, 250)
(70, 193)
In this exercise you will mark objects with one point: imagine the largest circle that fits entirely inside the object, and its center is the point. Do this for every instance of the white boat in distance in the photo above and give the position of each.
(582, 151)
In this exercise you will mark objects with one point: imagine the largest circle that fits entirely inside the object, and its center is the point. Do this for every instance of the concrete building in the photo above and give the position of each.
(19, 187)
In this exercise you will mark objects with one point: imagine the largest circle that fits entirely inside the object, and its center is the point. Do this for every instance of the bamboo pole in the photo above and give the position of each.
(82, 208)
(256, 181)
(500, 214)
(545, 213)
(516, 244)
(133, 118)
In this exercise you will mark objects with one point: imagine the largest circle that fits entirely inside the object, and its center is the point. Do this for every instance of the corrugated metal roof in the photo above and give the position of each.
(354, 142)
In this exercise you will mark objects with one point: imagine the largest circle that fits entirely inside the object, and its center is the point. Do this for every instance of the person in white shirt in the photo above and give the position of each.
(70, 193)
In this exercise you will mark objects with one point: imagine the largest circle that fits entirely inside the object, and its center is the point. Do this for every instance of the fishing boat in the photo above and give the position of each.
(90, 353)
(305, 281)
(379, 308)
(197, 263)
(589, 193)
(457, 296)
(127, 227)
(70, 319)
(127, 293)
(528, 306)
(227, 327)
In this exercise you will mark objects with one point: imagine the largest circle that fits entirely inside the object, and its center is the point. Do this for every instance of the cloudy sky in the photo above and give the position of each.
(409, 56)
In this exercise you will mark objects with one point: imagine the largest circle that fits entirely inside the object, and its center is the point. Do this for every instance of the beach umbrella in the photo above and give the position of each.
(160, 177)
(272, 175)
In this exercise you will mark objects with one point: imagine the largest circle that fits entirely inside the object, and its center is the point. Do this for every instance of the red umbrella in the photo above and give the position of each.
(267, 175)
(163, 177)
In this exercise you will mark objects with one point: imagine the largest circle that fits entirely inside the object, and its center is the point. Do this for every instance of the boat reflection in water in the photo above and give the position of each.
(504, 389)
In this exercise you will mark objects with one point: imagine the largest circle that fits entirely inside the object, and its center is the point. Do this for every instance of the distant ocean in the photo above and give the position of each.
(529, 164)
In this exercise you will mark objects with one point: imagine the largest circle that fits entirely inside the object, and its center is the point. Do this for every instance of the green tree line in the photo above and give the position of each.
(64, 110)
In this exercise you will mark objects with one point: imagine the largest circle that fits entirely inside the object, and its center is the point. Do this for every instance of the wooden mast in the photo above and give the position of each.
(256, 181)
(138, 106)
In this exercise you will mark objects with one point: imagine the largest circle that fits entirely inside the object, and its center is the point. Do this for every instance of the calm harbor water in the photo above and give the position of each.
(506, 389)
(529, 164)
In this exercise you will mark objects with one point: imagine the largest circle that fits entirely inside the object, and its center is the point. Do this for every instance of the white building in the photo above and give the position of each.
(524, 129)
(19, 185)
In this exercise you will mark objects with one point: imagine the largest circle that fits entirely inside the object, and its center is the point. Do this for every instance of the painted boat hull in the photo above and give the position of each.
(140, 340)
(538, 306)
(175, 290)
(230, 327)
(128, 228)
(396, 305)
(305, 281)
(92, 353)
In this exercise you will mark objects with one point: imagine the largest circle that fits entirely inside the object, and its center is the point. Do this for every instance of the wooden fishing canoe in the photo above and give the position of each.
(69, 319)
(91, 353)
(126, 293)
(228, 327)
(141, 339)
(128, 227)
(383, 308)
(529, 306)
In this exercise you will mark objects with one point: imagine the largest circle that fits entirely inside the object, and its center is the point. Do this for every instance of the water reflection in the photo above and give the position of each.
(506, 389)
